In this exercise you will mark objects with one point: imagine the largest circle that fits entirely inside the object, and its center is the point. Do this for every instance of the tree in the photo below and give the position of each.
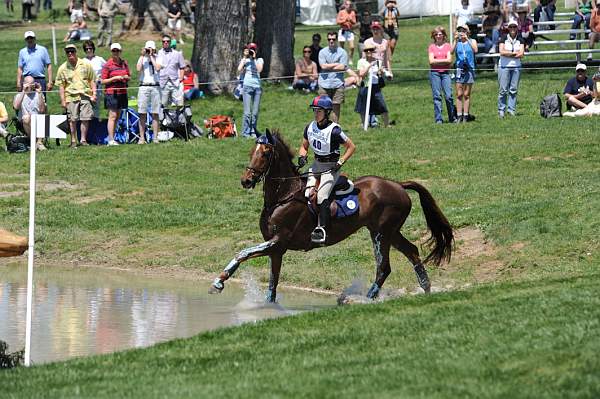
(274, 34)
(221, 33)
(136, 17)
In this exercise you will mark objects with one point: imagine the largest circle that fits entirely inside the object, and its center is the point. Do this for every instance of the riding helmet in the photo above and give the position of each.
(322, 102)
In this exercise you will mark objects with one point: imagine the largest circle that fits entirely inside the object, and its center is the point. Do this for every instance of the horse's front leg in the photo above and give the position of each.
(381, 250)
(275, 260)
(261, 249)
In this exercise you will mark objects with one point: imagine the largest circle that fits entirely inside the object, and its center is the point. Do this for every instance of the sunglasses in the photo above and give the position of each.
(89, 49)
(70, 51)
(115, 50)
(307, 51)
(166, 41)
(331, 39)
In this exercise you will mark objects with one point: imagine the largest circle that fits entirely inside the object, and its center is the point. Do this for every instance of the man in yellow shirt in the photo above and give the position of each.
(76, 81)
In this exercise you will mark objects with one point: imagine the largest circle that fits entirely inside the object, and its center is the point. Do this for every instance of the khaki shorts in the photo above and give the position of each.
(81, 110)
(149, 99)
(337, 95)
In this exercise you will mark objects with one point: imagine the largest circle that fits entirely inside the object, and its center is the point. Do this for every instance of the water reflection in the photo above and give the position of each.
(82, 312)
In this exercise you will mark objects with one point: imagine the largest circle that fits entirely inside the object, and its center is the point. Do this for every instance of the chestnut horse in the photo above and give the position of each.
(286, 221)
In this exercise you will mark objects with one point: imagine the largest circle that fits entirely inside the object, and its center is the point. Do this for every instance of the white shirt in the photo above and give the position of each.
(464, 15)
(97, 64)
(148, 74)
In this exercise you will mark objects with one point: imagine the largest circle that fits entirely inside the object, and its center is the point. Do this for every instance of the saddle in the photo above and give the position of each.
(344, 198)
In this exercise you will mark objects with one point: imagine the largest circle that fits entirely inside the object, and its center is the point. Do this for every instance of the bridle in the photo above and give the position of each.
(259, 175)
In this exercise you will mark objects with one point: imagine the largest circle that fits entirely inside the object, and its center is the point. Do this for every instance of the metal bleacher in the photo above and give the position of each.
(550, 50)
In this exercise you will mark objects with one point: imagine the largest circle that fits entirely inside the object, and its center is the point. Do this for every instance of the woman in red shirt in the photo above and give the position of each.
(440, 60)
(190, 83)
(115, 75)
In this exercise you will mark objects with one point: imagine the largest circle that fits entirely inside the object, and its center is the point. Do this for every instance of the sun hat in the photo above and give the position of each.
(29, 33)
(150, 44)
(115, 46)
(71, 46)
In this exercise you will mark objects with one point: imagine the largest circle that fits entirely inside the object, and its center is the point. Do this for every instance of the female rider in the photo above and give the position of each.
(324, 137)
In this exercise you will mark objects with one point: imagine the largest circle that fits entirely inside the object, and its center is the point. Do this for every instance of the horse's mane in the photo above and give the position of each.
(277, 135)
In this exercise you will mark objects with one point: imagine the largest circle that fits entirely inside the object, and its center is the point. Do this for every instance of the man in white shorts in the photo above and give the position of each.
(174, 19)
(149, 91)
(346, 19)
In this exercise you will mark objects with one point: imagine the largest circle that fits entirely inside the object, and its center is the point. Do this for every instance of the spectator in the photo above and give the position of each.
(33, 61)
(26, 10)
(334, 62)
(97, 65)
(391, 15)
(370, 70)
(464, 49)
(583, 13)
(346, 19)
(305, 75)
(525, 26)
(440, 60)
(595, 27)
(74, 32)
(170, 64)
(30, 102)
(578, 90)
(10, 7)
(364, 29)
(509, 69)
(191, 87)
(77, 9)
(47, 4)
(76, 83)
(250, 67)
(544, 10)
(315, 48)
(3, 120)
(115, 75)
(491, 22)
(174, 19)
(107, 9)
(462, 14)
(149, 91)
(382, 48)
(593, 108)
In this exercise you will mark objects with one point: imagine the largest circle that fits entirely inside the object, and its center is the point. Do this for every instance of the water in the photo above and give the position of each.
(81, 312)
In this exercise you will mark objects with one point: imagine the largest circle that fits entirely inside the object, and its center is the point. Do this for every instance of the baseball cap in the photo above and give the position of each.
(29, 33)
(463, 27)
(150, 44)
(115, 46)
(376, 25)
(369, 47)
(512, 22)
(71, 46)
(581, 67)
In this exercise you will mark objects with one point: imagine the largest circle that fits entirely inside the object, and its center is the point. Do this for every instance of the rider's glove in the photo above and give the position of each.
(302, 161)
(337, 166)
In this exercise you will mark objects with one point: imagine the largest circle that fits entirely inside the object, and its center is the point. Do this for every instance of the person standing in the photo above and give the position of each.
(107, 9)
(371, 71)
(382, 48)
(440, 60)
(115, 75)
(315, 47)
(464, 49)
(174, 19)
(170, 64)
(26, 6)
(391, 15)
(149, 91)
(34, 61)
(97, 65)
(76, 83)
(324, 137)
(346, 19)
(512, 50)
(334, 62)
(250, 67)
(30, 102)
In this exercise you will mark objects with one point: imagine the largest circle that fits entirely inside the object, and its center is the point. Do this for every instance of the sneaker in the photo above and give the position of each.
(458, 119)
(512, 113)
(40, 147)
(500, 114)
(73, 144)
(112, 143)
(439, 122)
(83, 143)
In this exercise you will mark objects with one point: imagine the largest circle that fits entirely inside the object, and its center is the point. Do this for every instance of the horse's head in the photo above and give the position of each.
(261, 159)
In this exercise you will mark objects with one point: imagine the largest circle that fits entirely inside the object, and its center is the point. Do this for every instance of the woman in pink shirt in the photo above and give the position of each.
(440, 60)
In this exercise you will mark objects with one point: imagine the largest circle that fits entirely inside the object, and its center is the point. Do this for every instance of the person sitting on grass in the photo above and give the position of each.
(74, 32)
(30, 102)
(578, 91)
(191, 87)
(305, 75)
(593, 108)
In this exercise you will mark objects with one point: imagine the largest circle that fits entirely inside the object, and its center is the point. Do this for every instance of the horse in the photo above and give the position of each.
(286, 220)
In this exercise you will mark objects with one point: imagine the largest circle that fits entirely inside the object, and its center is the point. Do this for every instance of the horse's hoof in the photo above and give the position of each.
(216, 287)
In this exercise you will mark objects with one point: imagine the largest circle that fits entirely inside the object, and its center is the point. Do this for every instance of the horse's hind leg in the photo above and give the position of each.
(412, 253)
(381, 249)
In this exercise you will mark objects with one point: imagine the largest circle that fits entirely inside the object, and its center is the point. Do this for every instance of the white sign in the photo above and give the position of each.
(48, 126)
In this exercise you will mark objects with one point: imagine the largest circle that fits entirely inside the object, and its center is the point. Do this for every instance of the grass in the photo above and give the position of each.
(527, 186)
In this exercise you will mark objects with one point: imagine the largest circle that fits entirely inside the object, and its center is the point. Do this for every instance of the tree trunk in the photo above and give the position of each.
(221, 33)
(135, 18)
(274, 34)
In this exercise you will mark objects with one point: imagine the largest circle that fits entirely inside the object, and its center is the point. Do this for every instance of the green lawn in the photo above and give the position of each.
(523, 194)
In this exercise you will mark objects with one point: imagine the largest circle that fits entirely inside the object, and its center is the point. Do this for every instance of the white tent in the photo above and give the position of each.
(317, 12)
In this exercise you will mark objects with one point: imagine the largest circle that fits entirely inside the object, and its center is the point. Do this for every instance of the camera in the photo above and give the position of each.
(252, 53)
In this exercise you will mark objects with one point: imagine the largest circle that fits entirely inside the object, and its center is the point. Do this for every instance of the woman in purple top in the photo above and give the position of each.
(440, 60)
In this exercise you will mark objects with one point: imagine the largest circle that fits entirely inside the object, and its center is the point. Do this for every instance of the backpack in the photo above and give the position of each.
(551, 106)
(17, 144)
(220, 126)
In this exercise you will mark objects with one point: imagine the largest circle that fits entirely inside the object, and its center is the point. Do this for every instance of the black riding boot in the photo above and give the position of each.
(319, 234)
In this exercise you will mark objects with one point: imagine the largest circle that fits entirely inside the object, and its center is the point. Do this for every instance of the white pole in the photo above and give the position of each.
(31, 241)
(450, 33)
(54, 45)
(368, 104)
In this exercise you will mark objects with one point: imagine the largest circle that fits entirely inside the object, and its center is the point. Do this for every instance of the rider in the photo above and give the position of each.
(324, 137)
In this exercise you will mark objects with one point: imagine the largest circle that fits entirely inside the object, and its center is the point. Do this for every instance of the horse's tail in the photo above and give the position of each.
(442, 237)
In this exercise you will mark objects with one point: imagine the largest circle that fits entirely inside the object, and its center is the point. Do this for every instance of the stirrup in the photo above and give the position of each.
(318, 235)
